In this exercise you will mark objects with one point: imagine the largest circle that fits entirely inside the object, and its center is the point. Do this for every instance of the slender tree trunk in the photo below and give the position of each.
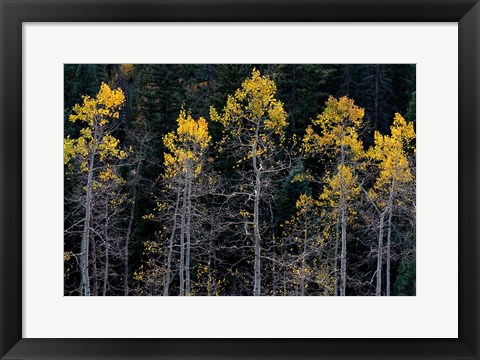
(274, 270)
(389, 232)
(94, 266)
(378, 291)
(188, 236)
(126, 251)
(182, 239)
(256, 231)
(107, 247)
(168, 274)
(105, 275)
(343, 260)
(304, 255)
(211, 288)
(336, 256)
(84, 257)
(256, 222)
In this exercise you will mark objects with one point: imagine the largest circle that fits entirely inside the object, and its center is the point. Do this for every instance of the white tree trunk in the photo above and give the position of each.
(335, 263)
(84, 256)
(389, 231)
(343, 207)
(107, 248)
(182, 241)
(304, 255)
(256, 221)
(378, 291)
(256, 231)
(188, 236)
(168, 274)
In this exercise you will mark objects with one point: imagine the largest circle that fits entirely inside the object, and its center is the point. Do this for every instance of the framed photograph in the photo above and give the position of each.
(239, 179)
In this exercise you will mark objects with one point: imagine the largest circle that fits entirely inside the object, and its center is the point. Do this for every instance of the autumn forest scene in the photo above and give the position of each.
(239, 180)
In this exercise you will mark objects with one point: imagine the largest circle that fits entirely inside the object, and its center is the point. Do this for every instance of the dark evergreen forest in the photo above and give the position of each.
(237, 180)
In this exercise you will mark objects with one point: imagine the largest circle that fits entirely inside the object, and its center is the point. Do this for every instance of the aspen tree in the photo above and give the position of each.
(335, 133)
(184, 161)
(92, 150)
(390, 152)
(254, 128)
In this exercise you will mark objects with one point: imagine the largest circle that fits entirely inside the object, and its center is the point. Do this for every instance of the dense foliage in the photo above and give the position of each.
(230, 179)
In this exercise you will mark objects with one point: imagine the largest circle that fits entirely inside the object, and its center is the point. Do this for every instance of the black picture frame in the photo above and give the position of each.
(15, 12)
